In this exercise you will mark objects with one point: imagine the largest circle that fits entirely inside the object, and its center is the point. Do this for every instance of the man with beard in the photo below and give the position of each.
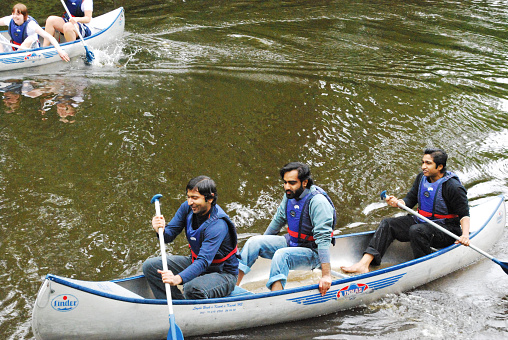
(310, 216)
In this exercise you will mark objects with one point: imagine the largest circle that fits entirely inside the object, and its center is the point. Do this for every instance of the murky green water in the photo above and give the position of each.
(234, 90)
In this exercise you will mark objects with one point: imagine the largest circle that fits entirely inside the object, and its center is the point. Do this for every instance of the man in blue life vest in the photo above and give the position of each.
(440, 197)
(310, 216)
(212, 268)
(81, 15)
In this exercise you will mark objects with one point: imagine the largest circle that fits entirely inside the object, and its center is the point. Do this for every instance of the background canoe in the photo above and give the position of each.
(105, 29)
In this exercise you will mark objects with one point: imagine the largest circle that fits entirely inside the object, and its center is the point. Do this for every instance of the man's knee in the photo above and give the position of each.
(151, 265)
(384, 224)
(253, 245)
(281, 255)
(417, 231)
(254, 241)
(192, 292)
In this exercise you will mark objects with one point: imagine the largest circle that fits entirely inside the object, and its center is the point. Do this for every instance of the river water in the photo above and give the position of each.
(234, 90)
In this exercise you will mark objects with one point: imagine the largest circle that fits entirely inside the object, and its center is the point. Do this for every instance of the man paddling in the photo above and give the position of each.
(310, 216)
(440, 197)
(212, 268)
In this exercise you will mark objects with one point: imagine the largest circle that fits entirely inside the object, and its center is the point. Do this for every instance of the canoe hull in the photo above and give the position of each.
(106, 29)
(118, 310)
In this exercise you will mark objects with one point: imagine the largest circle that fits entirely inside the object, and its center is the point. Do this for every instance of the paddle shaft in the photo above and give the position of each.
(164, 259)
(449, 233)
(165, 268)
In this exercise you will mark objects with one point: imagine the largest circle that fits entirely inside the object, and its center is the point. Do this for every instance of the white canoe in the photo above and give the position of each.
(125, 309)
(105, 29)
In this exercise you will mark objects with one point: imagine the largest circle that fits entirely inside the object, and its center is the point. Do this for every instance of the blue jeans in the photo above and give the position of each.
(205, 286)
(284, 258)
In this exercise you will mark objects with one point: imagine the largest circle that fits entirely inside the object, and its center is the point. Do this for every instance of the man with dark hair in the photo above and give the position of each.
(303, 171)
(212, 268)
(440, 197)
(310, 216)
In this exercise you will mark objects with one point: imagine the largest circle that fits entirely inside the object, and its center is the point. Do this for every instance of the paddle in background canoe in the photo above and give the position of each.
(504, 265)
(174, 333)
(89, 55)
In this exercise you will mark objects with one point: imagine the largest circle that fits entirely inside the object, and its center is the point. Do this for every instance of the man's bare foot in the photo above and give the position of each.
(360, 267)
(357, 268)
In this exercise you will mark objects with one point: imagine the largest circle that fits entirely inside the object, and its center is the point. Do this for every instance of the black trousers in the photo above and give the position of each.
(422, 236)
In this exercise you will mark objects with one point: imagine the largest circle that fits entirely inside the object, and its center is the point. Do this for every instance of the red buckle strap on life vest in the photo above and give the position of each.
(233, 252)
(295, 234)
(15, 43)
(428, 214)
(305, 237)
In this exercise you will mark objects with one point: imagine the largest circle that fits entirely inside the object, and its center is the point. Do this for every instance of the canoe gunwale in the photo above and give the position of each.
(288, 291)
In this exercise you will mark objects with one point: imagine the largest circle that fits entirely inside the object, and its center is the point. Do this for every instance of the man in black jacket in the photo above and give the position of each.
(440, 197)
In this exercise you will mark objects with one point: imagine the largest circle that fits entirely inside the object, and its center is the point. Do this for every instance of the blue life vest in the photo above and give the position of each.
(431, 203)
(74, 7)
(195, 238)
(300, 228)
(18, 33)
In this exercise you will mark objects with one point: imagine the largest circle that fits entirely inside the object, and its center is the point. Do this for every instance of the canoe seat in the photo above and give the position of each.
(240, 291)
(106, 288)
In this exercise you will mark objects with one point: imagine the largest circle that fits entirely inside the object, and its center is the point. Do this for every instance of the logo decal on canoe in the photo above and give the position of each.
(64, 303)
(32, 56)
(351, 290)
(499, 217)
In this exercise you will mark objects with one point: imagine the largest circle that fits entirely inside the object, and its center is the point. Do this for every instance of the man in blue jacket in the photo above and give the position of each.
(212, 268)
(310, 216)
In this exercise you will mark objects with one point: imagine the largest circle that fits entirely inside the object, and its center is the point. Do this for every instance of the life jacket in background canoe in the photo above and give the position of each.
(74, 7)
(300, 228)
(196, 237)
(431, 203)
(18, 33)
